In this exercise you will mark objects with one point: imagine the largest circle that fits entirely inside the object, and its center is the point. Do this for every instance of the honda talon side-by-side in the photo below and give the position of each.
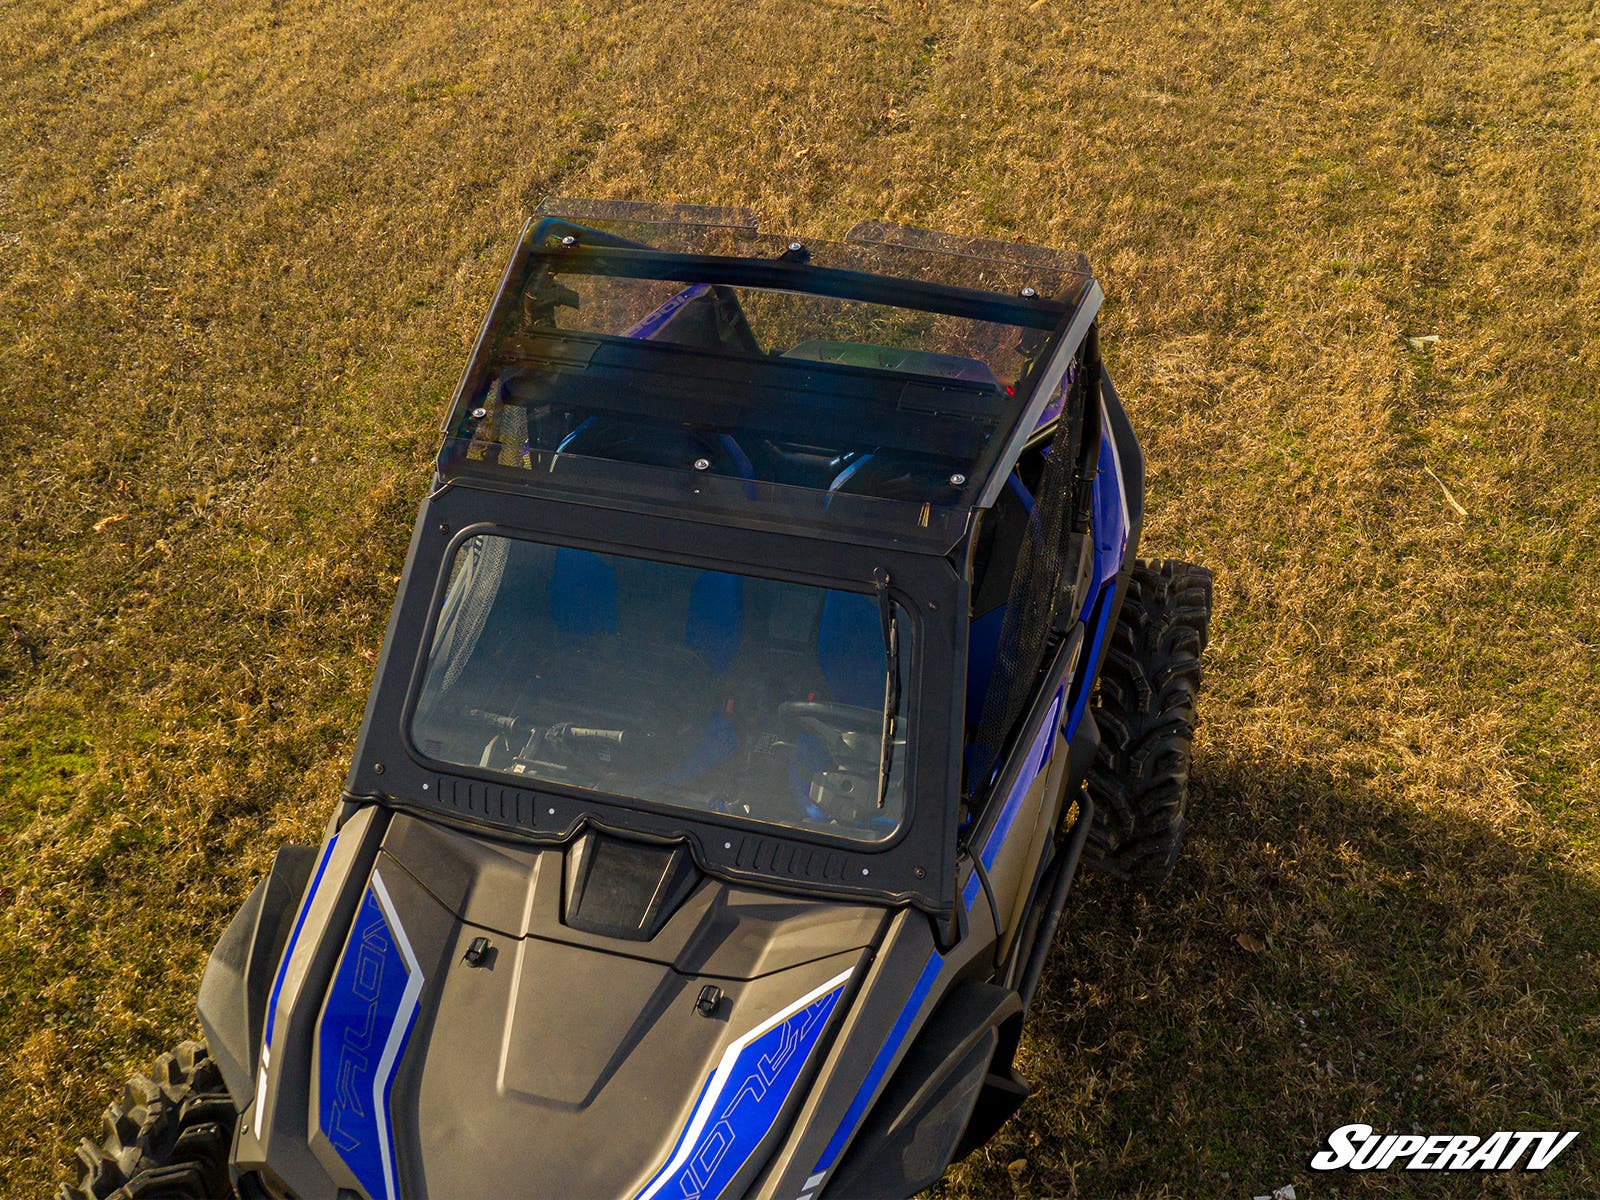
(770, 651)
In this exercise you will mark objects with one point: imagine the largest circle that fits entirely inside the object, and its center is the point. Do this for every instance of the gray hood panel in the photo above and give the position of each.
(567, 1064)
(595, 1039)
(720, 931)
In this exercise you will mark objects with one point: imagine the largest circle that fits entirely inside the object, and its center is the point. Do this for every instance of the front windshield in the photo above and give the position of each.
(670, 685)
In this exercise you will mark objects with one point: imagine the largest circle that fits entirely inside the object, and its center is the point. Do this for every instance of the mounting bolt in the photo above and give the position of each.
(569, 240)
(957, 479)
(795, 247)
(702, 464)
(1029, 293)
(443, 528)
(479, 414)
(377, 768)
(920, 873)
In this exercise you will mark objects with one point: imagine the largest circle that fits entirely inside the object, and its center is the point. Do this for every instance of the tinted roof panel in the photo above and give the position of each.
(898, 365)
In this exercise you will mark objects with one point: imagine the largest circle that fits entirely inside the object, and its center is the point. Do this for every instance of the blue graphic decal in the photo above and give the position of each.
(1038, 755)
(294, 936)
(739, 1103)
(969, 894)
(1110, 519)
(652, 323)
(365, 1024)
(880, 1065)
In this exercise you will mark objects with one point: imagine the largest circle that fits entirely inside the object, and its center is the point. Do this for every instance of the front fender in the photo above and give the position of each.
(238, 978)
(956, 1075)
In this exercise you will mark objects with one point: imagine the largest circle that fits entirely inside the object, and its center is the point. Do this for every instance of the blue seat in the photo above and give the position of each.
(583, 595)
(715, 625)
(713, 629)
(1014, 506)
(983, 648)
(850, 653)
(850, 648)
(583, 607)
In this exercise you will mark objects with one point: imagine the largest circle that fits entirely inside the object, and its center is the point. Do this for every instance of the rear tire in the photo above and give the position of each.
(1149, 685)
(167, 1138)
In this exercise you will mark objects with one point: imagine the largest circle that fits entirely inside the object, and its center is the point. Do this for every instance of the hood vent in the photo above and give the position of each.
(622, 888)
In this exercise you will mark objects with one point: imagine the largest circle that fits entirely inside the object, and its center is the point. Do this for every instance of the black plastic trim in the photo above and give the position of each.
(794, 275)
(915, 865)
(232, 1004)
(915, 1127)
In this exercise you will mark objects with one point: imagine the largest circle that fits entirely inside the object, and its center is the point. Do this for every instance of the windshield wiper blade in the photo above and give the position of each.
(891, 687)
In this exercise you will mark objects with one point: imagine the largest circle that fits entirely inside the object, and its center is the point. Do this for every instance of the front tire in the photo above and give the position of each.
(167, 1138)
(1146, 713)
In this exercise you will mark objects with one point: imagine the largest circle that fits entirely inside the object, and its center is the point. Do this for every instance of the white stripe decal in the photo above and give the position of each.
(690, 1139)
(1122, 488)
(261, 1096)
(397, 1032)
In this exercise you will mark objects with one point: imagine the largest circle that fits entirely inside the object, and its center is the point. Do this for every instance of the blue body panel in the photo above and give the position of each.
(1110, 549)
(365, 1025)
(294, 938)
(1110, 527)
(739, 1104)
(880, 1065)
(1110, 520)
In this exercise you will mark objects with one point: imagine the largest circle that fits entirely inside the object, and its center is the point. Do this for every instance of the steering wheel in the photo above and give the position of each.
(848, 732)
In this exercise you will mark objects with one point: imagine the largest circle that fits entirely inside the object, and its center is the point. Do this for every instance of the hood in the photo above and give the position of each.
(476, 1041)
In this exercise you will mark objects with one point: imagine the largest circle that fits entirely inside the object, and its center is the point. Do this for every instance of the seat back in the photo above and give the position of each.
(714, 627)
(850, 648)
(583, 595)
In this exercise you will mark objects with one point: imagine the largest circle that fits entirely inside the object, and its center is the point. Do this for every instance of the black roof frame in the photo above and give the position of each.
(841, 547)
(795, 275)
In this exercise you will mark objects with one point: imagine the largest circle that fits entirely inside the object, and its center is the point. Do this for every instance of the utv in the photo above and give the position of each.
(770, 651)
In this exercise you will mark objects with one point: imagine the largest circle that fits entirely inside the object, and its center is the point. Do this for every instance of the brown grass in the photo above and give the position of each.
(244, 248)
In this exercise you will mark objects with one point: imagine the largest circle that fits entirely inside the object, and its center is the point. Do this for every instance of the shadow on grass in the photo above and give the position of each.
(1322, 955)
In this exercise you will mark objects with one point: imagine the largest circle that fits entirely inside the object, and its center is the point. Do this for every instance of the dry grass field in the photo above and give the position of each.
(245, 246)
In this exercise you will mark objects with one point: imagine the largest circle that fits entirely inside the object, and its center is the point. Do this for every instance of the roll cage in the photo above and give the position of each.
(496, 476)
